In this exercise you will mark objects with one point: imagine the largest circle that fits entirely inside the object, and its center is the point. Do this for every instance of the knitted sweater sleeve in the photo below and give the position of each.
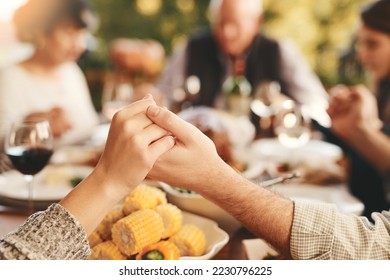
(50, 234)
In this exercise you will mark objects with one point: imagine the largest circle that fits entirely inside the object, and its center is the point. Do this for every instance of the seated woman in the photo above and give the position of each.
(50, 84)
(369, 171)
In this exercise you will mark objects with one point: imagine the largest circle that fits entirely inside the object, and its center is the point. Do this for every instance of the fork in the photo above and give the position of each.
(279, 180)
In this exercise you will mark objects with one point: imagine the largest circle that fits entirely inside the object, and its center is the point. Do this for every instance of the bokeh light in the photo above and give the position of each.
(149, 7)
(185, 6)
(8, 7)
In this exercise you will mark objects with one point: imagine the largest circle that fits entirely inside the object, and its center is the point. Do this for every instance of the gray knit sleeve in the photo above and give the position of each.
(50, 234)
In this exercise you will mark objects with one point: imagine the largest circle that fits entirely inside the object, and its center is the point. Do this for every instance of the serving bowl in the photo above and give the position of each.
(197, 204)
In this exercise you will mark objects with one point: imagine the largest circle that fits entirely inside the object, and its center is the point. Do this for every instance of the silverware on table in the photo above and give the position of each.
(279, 180)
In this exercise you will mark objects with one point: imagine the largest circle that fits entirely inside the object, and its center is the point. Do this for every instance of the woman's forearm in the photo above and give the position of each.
(91, 200)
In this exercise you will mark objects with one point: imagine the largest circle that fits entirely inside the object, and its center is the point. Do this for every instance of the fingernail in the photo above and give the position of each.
(172, 141)
(153, 110)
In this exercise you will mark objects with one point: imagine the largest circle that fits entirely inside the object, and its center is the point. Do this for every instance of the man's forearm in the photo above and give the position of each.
(264, 213)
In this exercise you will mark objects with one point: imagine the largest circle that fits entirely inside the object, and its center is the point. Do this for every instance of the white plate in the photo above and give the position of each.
(257, 249)
(51, 184)
(75, 154)
(338, 195)
(313, 150)
(216, 238)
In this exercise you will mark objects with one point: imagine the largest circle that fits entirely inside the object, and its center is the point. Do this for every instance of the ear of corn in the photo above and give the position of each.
(104, 228)
(94, 239)
(190, 240)
(163, 250)
(137, 230)
(143, 197)
(172, 218)
(107, 250)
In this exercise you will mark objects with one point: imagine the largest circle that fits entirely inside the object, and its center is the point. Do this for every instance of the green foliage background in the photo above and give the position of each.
(322, 29)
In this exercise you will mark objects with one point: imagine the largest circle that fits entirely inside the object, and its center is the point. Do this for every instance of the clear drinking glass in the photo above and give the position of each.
(29, 146)
(292, 126)
(264, 99)
(115, 97)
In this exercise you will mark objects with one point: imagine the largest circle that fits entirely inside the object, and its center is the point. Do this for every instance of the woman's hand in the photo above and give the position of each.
(353, 111)
(134, 144)
(58, 119)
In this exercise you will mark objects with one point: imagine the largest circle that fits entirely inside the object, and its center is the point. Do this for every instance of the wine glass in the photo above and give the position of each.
(29, 146)
(186, 94)
(264, 98)
(292, 126)
(265, 104)
(115, 97)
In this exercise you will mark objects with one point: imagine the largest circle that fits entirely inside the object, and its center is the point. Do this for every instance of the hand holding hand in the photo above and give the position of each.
(134, 143)
(193, 161)
(353, 111)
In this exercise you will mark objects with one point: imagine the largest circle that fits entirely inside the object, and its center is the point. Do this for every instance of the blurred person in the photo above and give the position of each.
(368, 179)
(373, 47)
(235, 34)
(61, 231)
(159, 142)
(49, 84)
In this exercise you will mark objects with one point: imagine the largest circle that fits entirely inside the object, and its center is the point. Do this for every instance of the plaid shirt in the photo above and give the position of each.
(320, 232)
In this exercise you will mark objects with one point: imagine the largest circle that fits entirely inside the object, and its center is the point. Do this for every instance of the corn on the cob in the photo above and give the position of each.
(139, 229)
(163, 250)
(104, 228)
(190, 240)
(94, 239)
(107, 250)
(143, 197)
(172, 218)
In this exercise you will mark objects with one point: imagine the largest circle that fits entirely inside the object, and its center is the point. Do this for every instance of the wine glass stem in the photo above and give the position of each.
(30, 206)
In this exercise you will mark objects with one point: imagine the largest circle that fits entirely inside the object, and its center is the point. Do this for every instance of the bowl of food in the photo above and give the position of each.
(195, 203)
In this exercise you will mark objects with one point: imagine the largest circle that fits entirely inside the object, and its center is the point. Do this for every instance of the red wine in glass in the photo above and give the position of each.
(29, 146)
(29, 161)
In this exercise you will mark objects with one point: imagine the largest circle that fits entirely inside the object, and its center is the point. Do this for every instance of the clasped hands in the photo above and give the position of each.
(353, 111)
(147, 140)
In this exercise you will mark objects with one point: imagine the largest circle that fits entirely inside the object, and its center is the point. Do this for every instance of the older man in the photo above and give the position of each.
(235, 33)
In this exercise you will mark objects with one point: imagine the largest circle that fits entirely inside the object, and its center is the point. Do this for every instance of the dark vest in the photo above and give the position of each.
(204, 61)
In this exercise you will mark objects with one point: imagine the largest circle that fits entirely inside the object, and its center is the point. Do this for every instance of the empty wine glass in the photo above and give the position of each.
(116, 96)
(264, 100)
(29, 146)
(292, 126)
(265, 104)
(186, 94)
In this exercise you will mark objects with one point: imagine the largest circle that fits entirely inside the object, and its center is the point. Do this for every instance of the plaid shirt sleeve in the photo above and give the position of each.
(320, 232)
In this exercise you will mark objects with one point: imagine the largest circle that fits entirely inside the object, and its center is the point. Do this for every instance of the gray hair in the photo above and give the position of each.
(257, 6)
